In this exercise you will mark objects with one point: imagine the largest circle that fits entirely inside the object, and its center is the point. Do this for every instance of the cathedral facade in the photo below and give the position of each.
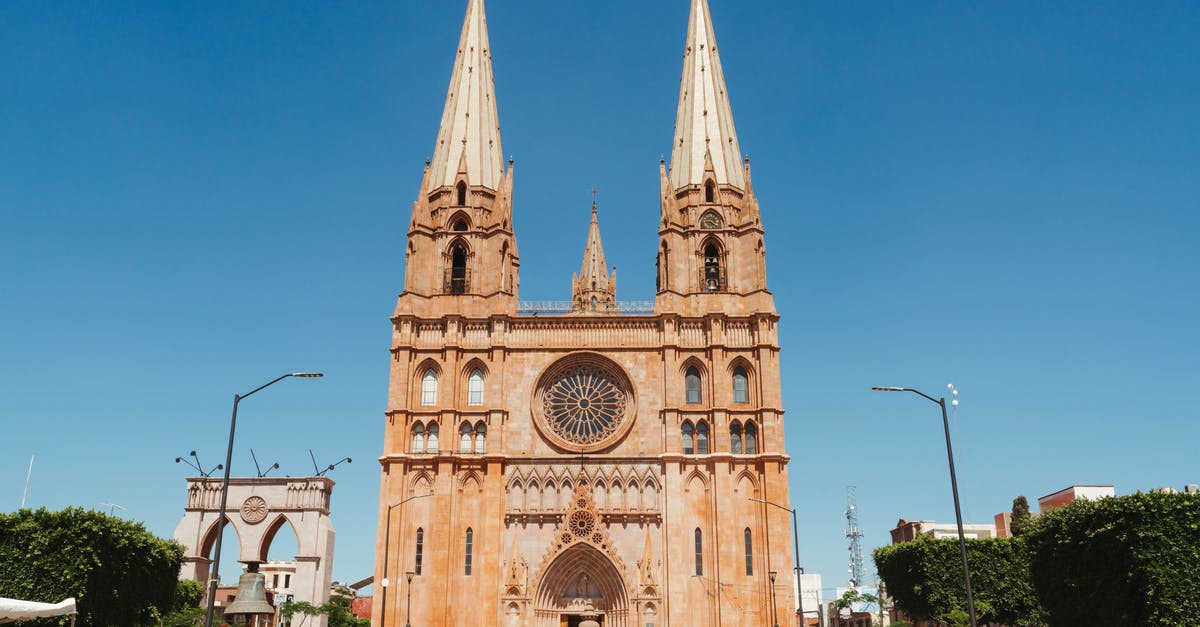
(594, 467)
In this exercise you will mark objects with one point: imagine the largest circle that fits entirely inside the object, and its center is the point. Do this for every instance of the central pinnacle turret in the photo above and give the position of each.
(469, 136)
(594, 290)
(704, 122)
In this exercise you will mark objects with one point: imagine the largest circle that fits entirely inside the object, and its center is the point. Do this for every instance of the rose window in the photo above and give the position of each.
(582, 524)
(584, 404)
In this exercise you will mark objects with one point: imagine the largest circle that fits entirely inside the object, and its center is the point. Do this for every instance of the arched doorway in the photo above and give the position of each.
(581, 581)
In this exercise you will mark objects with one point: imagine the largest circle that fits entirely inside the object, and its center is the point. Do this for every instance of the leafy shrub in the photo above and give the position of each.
(925, 579)
(1129, 560)
(119, 573)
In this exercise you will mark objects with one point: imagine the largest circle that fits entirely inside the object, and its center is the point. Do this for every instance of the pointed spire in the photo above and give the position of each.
(704, 122)
(469, 135)
(594, 265)
(594, 289)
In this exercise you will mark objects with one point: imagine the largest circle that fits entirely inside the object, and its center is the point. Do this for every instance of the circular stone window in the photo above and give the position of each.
(583, 403)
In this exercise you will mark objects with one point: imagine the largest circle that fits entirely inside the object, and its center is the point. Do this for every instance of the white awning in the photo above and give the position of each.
(12, 610)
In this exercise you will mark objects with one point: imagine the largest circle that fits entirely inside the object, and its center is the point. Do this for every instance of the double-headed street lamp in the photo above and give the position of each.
(387, 544)
(962, 542)
(795, 555)
(215, 574)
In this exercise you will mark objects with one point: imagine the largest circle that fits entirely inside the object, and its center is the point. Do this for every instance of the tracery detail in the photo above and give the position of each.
(584, 404)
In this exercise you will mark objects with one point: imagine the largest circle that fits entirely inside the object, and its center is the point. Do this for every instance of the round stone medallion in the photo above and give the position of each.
(254, 510)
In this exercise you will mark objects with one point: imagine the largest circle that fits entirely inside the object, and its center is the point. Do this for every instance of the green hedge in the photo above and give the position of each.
(1130, 560)
(119, 573)
(925, 579)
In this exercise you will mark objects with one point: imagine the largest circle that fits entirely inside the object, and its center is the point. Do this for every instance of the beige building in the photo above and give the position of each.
(549, 470)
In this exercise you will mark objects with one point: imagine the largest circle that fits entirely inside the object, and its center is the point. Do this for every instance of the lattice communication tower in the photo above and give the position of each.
(855, 534)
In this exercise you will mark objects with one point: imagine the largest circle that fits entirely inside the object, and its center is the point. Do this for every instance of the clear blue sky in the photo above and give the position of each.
(197, 197)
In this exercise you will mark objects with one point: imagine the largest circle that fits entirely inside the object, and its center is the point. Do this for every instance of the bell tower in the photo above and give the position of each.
(462, 252)
(711, 256)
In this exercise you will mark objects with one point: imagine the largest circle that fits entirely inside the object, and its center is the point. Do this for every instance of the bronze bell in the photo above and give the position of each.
(251, 599)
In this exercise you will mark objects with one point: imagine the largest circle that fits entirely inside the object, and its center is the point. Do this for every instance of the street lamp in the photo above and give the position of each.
(408, 606)
(795, 555)
(387, 543)
(215, 575)
(774, 610)
(962, 542)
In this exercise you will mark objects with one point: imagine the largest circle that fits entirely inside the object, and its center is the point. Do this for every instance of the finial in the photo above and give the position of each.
(595, 195)
(510, 160)
(662, 160)
(746, 159)
(427, 162)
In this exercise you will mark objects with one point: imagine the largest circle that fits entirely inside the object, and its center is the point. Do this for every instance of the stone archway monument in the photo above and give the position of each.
(256, 510)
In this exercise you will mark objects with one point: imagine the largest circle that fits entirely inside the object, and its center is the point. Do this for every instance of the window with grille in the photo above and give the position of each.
(429, 387)
(470, 542)
(420, 552)
(692, 385)
(475, 388)
(741, 386)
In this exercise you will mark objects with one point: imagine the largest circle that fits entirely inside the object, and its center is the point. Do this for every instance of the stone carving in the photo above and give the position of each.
(254, 510)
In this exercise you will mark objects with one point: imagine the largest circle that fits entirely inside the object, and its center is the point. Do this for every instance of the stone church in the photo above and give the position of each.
(599, 466)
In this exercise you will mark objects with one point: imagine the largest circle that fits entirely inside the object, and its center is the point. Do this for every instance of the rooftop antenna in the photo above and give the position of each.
(196, 464)
(260, 472)
(321, 473)
(855, 534)
(112, 507)
(27, 476)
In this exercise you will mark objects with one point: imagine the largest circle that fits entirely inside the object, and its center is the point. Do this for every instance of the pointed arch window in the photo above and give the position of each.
(418, 438)
(429, 383)
(751, 438)
(456, 281)
(595, 302)
(419, 555)
(714, 276)
(459, 225)
(691, 384)
(741, 386)
(735, 437)
(749, 554)
(469, 548)
(461, 192)
(699, 553)
(431, 438)
(702, 438)
(688, 443)
(709, 192)
(480, 439)
(475, 387)
(464, 438)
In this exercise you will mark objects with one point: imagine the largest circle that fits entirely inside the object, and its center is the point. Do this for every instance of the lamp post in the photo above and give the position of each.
(387, 536)
(774, 610)
(795, 555)
(215, 575)
(408, 606)
(962, 542)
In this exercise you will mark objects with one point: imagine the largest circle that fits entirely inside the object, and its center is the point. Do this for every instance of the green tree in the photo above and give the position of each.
(185, 606)
(1129, 560)
(119, 573)
(337, 608)
(1020, 517)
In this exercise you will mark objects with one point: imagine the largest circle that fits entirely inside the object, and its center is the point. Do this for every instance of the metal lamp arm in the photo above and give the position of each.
(268, 384)
(932, 399)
